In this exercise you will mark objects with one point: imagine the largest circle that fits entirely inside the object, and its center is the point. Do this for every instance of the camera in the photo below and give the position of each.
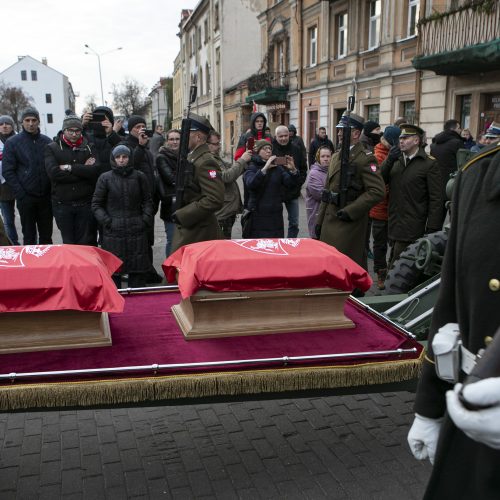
(95, 124)
(329, 197)
(148, 132)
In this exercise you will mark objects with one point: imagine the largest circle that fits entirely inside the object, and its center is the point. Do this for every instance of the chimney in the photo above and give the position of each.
(44, 61)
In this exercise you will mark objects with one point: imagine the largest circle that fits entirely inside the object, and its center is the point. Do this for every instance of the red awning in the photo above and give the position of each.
(263, 264)
(58, 277)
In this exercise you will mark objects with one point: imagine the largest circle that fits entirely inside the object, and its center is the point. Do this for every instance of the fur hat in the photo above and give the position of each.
(30, 112)
(121, 149)
(72, 121)
(6, 119)
(135, 120)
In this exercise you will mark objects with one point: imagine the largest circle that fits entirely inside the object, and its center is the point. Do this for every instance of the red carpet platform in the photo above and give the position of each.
(150, 360)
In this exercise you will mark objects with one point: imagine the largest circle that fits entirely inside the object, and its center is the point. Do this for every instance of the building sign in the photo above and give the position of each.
(278, 106)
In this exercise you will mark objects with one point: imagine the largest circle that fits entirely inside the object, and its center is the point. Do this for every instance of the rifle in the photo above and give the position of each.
(345, 150)
(184, 167)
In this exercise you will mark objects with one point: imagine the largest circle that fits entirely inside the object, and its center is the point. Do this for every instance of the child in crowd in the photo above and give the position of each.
(122, 204)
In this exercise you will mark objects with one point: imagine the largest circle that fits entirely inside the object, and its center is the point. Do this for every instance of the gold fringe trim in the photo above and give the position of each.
(147, 389)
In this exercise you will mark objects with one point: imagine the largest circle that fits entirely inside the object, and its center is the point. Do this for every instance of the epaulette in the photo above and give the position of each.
(484, 154)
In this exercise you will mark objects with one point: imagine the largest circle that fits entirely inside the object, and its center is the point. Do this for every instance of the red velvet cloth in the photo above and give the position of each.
(147, 333)
(57, 277)
(263, 264)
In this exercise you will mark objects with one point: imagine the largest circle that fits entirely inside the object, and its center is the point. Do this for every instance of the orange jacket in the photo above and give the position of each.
(380, 210)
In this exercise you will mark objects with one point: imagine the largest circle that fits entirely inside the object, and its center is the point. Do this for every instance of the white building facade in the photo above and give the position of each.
(50, 91)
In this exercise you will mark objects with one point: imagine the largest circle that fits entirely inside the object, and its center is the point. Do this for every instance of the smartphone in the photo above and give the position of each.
(98, 117)
(250, 143)
(280, 160)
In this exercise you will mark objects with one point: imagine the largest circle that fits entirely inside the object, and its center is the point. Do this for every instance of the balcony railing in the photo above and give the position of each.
(263, 81)
(477, 24)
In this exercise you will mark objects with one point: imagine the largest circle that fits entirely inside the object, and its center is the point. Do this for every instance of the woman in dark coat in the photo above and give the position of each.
(122, 204)
(264, 181)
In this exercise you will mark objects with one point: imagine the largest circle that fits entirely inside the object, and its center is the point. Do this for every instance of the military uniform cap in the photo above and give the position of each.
(200, 123)
(493, 130)
(354, 121)
(408, 129)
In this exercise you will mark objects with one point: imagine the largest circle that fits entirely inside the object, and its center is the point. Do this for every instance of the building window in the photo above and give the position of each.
(207, 77)
(217, 71)
(48, 98)
(465, 105)
(205, 26)
(199, 37)
(200, 80)
(342, 35)
(313, 45)
(312, 123)
(33, 75)
(216, 17)
(413, 11)
(373, 112)
(24, 75)
(374, 26)
(50, 118)
(408, 111)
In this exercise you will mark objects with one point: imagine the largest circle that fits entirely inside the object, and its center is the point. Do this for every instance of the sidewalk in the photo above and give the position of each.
(332, 447)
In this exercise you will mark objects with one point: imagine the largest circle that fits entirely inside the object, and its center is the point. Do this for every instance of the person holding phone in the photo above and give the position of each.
(264, 181)
(283, 147)
(257, 131)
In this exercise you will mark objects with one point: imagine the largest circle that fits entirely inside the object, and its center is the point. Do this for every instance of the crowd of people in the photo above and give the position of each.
(104, 186)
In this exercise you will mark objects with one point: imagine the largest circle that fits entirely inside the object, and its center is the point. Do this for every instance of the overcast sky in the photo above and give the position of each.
(58, 30)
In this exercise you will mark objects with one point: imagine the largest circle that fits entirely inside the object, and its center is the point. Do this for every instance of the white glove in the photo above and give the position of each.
(480, 425)
(423, 437)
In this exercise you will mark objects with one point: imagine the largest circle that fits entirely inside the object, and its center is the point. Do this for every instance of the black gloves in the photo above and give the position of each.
(394, 154)
(317, 231)
(343, 215)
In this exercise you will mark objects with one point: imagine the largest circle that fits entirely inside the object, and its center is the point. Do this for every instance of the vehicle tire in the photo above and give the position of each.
(404, 275)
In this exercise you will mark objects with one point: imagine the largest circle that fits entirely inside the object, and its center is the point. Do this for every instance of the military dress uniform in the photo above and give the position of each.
(366, 189)
(203, 196)
(469, 295)
(415, 201)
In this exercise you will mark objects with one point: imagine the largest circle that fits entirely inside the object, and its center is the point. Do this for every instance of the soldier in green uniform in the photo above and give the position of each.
(415, 200)
(346, 229)
(204, 195)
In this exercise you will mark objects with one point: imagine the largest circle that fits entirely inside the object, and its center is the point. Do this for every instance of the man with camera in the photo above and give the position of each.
(283, 147)
(345, 228)
(101, 129)
(142, 159)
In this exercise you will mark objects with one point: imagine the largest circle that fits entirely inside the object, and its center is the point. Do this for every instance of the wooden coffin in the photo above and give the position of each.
(228, 314)
(43, 331)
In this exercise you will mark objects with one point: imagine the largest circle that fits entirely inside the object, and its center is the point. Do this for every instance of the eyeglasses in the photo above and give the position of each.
(174, 139)
(5, 123)
(73, 131)
(214, 143)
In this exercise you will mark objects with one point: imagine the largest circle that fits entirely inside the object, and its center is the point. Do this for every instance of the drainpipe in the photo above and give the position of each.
(298, 16)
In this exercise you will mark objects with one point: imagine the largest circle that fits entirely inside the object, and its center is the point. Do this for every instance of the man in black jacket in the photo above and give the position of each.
(321, 139)
(444, 148)
(23, 167)
(282, 146)
(71, 165)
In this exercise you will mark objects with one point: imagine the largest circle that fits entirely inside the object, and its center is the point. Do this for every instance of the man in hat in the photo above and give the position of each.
(23, 167)
(204, 195)
(320, 139)
(492, 135)
(7, 198)
(345, 228)
(71, 165)
(415, 198)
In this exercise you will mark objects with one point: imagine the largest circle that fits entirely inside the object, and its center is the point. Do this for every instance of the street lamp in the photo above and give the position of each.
(99, 62)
